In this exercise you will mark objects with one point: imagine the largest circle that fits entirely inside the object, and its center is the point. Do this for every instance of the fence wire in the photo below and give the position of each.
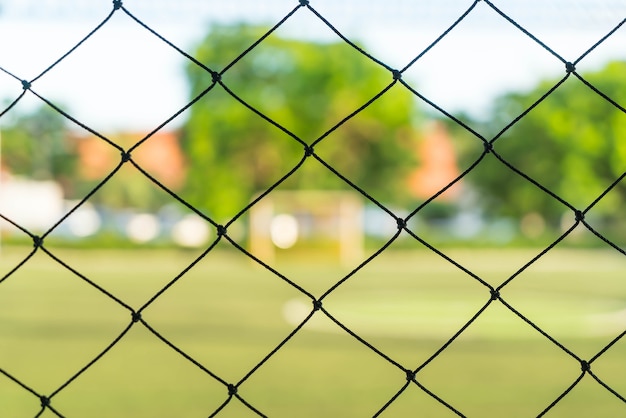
(410, 372)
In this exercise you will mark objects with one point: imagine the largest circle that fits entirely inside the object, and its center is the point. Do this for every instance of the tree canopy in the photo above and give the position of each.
(306, 88)
(572, 143)
(35, 144)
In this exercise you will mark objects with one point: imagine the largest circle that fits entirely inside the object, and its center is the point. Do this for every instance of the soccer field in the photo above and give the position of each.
(228, 314)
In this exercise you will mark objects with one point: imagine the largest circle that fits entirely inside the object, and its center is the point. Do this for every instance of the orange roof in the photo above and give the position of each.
(438, 165)
(160, 156)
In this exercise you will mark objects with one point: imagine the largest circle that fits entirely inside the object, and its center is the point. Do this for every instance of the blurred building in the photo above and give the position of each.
(34, 205)
(438, 165)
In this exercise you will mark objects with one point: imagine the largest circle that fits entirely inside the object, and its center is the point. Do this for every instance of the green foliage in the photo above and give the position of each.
(572, 143)
(36, 145)
(127, 189)
(306, 88)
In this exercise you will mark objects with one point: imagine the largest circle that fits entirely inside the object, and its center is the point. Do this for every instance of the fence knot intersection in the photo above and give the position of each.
(136, 316)
(317, 305)
(37, 241)
(585, 366)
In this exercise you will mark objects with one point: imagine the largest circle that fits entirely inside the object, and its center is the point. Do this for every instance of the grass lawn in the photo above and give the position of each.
(228, 315)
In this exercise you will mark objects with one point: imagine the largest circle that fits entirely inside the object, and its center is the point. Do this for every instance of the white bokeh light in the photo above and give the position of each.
(191, 231)
(284, 231)
(143, 227)
(85, 221)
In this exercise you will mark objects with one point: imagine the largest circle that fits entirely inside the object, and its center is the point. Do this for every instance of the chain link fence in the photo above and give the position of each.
(410, 373)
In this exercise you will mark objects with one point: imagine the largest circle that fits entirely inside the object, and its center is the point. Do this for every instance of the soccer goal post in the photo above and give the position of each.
(304, 219)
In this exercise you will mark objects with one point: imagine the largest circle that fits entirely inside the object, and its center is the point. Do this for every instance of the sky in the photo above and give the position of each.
(124, 78)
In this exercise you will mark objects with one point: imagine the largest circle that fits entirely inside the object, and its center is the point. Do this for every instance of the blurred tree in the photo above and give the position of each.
(572, 143)
(306, 87)
(37, 145)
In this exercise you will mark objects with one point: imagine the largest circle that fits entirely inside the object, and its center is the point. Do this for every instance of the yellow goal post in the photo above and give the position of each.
(286, 219)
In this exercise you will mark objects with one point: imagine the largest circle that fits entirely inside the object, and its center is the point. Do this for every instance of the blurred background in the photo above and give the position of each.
(123, 82)
(142, 235)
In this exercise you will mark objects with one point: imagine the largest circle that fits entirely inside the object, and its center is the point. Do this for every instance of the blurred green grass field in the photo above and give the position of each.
(228, 314)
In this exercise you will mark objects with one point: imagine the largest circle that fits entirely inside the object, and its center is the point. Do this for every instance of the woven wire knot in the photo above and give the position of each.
(397, 75)
(221, 230)
(317, 305)
(308, 151)
(216, 77)
(488, 147)
(117, 4)
(136, 316)
(25, 84)
(580, 216)
(585, 366)
(232, 389)
(495, 294)
(37, 241)
(45, 401)
(125, 157)
(401, 223)
(569, 67)
(304, 3)
(410, 375)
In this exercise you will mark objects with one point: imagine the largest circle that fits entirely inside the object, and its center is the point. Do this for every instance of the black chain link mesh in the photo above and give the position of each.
(410, 372)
